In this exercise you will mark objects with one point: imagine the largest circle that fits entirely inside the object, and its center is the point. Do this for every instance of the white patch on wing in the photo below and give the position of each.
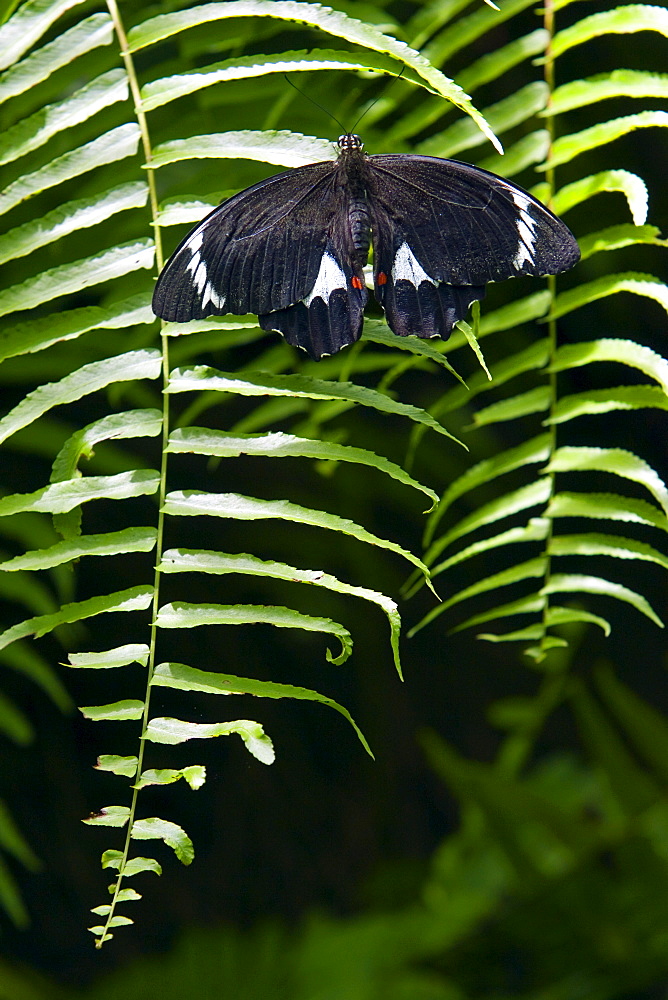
(195, 243)
(526, 231)
(407, 267)
(330, 277)
(198, 269)
(194, 264)
(211, 295)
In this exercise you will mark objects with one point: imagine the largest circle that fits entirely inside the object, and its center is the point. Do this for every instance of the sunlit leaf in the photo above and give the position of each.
(610, 506)
(38, 334)
(172, 731)
(113, 543)
(125, 766)
(66, 279)
(567, 147)
(182, 615)
(533, 401)
(90, 378)
(535, 531)
(117, 144)
(615, 546)
(118, 657)
(630, 185)
(133, 866)
(333, 21)
(617, 237)
(261, 384)
(185, 678)
(195, 776)
(286, 149)
(203, 441)
(530, 452)
(623, 397)
(69, 218)
(615, 461)
(621, 19)
(530, 569)
(192, 503)
(611, 284)
(172, 834)
(34, 131)
(508, 504)
(39, 65)
(109, 816)
(62, 497)
(117, 711)
(532, 604)
(560, 583)
(132, 599)
(502, 116)
(27, 26)
(618, 83)
(626, 352)
(160, 92)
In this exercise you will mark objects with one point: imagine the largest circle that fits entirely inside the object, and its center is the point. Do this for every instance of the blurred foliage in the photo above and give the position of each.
(554, 887)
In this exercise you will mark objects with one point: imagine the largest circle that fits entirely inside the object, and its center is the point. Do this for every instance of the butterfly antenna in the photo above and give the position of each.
(304, 94)
(374, 103)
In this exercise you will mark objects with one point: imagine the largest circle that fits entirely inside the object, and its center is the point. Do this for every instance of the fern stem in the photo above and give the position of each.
(143, 127)
(549, 76)
(153, 201)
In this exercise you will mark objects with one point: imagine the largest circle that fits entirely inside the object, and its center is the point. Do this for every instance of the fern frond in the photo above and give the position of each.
(545, 400)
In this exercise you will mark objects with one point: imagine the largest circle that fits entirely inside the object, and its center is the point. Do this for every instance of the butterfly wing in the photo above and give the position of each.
(414, 300)
(277, 249)
(284, 248)
(331, 315)
(443, 229)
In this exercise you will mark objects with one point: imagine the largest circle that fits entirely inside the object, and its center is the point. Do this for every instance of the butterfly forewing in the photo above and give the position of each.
(257, 252)
(465, 225)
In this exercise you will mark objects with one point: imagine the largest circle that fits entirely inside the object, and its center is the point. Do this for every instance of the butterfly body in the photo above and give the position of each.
(292, 248)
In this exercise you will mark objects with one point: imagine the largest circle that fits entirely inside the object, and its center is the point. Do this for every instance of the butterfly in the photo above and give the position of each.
(292, 248)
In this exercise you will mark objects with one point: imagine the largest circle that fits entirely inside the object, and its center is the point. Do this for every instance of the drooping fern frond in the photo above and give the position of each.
(83, 239)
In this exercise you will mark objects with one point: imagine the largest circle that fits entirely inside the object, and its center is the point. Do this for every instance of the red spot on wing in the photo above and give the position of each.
(382, 278)
(356, 282)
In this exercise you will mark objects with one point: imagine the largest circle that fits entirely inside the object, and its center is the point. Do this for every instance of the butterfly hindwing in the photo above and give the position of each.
(413, 300)
(331, 315)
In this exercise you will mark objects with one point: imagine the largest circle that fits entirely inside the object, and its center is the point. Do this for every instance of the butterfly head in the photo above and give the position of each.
(349, 141)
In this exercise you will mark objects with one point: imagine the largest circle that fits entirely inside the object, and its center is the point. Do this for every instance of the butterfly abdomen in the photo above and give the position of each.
(360, 230)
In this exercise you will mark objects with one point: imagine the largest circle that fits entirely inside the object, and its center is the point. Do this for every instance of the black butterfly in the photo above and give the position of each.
(291, 248)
